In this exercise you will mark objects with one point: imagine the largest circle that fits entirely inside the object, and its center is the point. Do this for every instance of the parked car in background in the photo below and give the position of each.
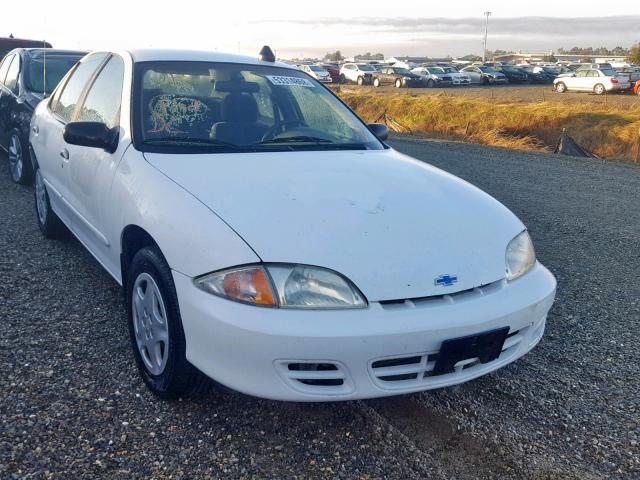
(333, 69)
(360, 73)
(400, 77)
(595, 66)
(636, 88)
(316, 72)
(514, 74)
(279, 254)
(537, 74)
(598, 81)
(632, 72)
(434, 76)
(457, 78)
(9, 43)
(484, 75)
(24, 82)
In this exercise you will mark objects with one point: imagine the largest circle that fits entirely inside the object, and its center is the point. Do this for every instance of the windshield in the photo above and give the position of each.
(364, 67)
(488, 69)
(401, 71)
(609, 72)
(222, 107)
(436, 70)
(57, 67)
(316, 68)
(449, 70)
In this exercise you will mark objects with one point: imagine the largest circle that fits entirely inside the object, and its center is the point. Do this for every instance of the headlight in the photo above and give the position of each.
(284, 286)
(520, 256)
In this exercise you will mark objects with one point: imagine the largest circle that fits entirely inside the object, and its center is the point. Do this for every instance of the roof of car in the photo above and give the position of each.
(168, 55)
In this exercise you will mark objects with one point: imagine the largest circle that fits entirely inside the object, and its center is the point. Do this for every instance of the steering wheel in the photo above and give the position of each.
(280, 128)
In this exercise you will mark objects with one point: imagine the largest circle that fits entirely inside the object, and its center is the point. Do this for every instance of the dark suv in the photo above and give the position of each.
(24, 82)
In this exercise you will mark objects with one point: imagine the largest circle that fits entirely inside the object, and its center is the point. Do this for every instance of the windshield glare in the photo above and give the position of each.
(365, 67)
(236, 107)
(57, 67)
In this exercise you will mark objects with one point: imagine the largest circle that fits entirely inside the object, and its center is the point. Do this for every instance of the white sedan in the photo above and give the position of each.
(268, 238)
(594, 80)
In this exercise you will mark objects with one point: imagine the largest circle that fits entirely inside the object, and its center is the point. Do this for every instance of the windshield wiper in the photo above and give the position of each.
(295, 139)
(197, 140)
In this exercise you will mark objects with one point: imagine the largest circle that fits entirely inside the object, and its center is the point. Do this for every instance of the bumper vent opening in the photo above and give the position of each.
(317, 378)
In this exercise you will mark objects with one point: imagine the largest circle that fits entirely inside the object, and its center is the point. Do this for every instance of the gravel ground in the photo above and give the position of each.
(72, 406)
(523, 93)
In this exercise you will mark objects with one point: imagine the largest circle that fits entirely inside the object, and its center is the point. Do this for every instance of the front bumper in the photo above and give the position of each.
(314, 355)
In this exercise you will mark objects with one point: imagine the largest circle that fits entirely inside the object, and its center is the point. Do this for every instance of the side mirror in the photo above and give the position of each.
(91, 134)
(380, 130)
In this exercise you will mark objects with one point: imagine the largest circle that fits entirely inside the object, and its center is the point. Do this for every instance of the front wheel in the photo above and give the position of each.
(360, 81)
(561, 87)
(599, 89)
(343, 79)
(398, 83)
(19, 162)
(376, 82)
(155, 327)
(431, 83)
(49, 223)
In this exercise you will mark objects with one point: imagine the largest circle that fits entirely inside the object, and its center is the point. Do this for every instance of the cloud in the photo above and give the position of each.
(457, 36)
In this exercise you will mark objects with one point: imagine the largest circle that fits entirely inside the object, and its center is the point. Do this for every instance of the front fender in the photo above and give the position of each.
(193, 239)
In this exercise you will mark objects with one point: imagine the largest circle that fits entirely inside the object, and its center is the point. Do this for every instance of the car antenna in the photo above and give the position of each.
(44, 69)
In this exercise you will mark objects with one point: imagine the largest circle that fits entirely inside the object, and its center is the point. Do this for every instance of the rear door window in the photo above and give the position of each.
(4, 67)
(11, 81)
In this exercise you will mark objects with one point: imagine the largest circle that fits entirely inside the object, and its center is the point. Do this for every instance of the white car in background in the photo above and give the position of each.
(484, 75)
(316, 72)
(594, 80)
(360, 73)
(292, 256)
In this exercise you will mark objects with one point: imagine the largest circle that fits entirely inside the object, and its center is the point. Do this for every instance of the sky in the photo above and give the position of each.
(297, 29)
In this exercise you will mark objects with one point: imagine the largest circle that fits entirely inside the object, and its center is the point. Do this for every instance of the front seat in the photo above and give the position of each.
(240, 121)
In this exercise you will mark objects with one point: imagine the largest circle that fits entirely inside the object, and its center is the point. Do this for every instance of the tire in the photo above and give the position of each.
(376, 82)
(360, 81)
(49, 223)
(431, 83)
(343, 79)
(20, 168)
(561, 87)
(155, 327)
(599, 89)
(485, 81)
(398, 83)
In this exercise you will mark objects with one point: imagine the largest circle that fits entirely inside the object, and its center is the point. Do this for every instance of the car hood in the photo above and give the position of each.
(388, 222)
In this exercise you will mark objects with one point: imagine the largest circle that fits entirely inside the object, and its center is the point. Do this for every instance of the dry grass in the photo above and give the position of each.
(608, 131)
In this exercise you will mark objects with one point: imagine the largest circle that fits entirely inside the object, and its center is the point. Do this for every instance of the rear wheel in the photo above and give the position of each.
(398, 83)
(19, 162)
(155, 327)
(49, 223)
(599, 89)
(376, 82)
(561, 87)
(343, 79)
(360, 81)
(431, 83)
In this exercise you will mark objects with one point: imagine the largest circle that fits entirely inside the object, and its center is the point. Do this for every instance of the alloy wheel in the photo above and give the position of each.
(150, 324)
(15, 157)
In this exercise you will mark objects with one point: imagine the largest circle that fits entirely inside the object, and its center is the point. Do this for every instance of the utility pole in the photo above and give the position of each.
(486, 30)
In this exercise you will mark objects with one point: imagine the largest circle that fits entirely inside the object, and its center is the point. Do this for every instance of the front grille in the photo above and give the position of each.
(434, 300)
(408, 371)
(329, 378)
(446, 79)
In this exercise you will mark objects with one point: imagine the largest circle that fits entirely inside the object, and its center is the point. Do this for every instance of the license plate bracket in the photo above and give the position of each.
(486, 346)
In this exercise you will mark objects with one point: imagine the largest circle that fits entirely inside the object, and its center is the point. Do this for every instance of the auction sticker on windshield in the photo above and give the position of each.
(286, 81)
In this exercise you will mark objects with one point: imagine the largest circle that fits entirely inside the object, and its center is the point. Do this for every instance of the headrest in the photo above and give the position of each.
(236, 86)
(239, 107)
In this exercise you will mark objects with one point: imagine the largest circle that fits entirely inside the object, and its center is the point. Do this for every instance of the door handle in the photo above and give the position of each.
(64, 153)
